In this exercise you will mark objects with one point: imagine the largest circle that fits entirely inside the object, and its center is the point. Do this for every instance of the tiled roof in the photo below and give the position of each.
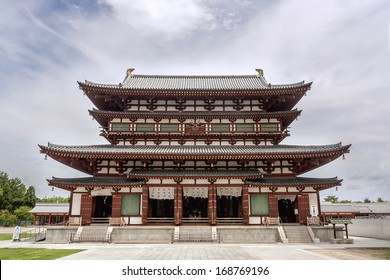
(51, 208)
(95, 181)
(297, 181)
(362, 208)
(289, 151)
(175, 82)
(153, 173)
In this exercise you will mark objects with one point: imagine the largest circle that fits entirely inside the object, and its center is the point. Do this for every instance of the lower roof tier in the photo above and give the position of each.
(118, 183)
(123, 159)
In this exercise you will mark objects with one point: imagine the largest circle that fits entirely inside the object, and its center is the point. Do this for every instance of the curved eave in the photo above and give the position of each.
(103, 117)
(91, 89)
(195, 152)
(298, 182)
(95, 182)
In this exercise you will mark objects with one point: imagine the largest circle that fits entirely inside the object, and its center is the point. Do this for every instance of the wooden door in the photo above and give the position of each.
(303, 208)
(86, 208)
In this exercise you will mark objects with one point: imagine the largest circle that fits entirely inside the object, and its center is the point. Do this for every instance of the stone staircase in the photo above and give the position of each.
(297, 234)
(92, 233)
(195, 234)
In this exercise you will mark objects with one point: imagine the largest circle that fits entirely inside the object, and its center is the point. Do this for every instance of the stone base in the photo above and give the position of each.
(341, 241)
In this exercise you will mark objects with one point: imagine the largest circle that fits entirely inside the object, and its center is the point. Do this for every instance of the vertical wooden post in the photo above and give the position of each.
(303, 208)
(245, 204)
(212, 205)
(86, 208)
(145, 201)
(178, 205)
(273, 205)
(116, 205)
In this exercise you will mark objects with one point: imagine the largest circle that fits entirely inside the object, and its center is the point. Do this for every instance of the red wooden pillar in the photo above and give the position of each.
(116, 205)
(178, 205)
(303, 208)
(86, 208)
(145, 202)
(212, 205)
(245, 204)
(273, 205)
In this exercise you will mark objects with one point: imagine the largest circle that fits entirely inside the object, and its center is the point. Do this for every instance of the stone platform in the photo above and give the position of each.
(165, 234)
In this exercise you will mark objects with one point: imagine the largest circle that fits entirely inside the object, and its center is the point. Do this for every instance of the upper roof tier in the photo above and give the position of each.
(191, 87)
(194, 82)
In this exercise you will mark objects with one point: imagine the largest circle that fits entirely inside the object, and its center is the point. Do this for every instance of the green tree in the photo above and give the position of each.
(29, 198)
(380, 200)
(23, 213)
(331, 198)
(55, 199)
(345, 201)
(7, 218)
(13, 192)
(367, 200)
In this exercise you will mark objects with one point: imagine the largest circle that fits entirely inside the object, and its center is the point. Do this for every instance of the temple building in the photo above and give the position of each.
(194, 149)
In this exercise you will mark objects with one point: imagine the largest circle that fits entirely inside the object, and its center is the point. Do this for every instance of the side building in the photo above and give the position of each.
(194, 149)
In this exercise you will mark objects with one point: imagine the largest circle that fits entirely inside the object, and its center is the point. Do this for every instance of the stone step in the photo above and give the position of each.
(297, 234)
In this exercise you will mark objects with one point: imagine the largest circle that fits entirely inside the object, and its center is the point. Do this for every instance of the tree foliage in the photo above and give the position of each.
(13, 193)
(23, 213)
(335, 199)
(55, 199)
(7, 218)
(29, 198)
(331, 198)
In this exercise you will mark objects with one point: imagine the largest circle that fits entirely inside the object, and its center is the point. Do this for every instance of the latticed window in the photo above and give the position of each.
(220, 128)
(120, 127)
(145, 127)
(269, 127)
(259, 204)
(169, 127)
(130, 204)
(244, 127)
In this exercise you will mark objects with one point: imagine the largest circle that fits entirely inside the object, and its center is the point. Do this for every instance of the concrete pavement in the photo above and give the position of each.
(200, 251)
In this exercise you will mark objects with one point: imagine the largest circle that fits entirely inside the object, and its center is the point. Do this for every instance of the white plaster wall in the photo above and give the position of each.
(313, 202)
(76, 204)
(135, 221)
(372, 228)
(254, 220)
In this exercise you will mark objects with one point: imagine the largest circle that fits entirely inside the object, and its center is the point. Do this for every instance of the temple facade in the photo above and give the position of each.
(194, 149)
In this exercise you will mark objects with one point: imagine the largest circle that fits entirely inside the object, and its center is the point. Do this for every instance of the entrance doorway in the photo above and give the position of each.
(195, 207)
(161, 208)
(287, 210)
(229, 206)
(102, 206)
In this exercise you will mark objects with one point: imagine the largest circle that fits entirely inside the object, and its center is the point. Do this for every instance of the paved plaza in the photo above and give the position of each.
(205, 251)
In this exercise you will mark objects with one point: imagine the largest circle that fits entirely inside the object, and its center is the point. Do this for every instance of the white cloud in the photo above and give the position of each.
(167, 18)
(342, 46)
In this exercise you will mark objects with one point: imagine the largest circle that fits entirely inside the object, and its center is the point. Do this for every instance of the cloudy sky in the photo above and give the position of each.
(343, 47)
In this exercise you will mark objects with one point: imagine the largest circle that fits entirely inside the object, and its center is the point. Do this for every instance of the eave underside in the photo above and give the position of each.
(104, 117)
(94, 182)
(248, 177)
(85, 158)
(297, 182)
